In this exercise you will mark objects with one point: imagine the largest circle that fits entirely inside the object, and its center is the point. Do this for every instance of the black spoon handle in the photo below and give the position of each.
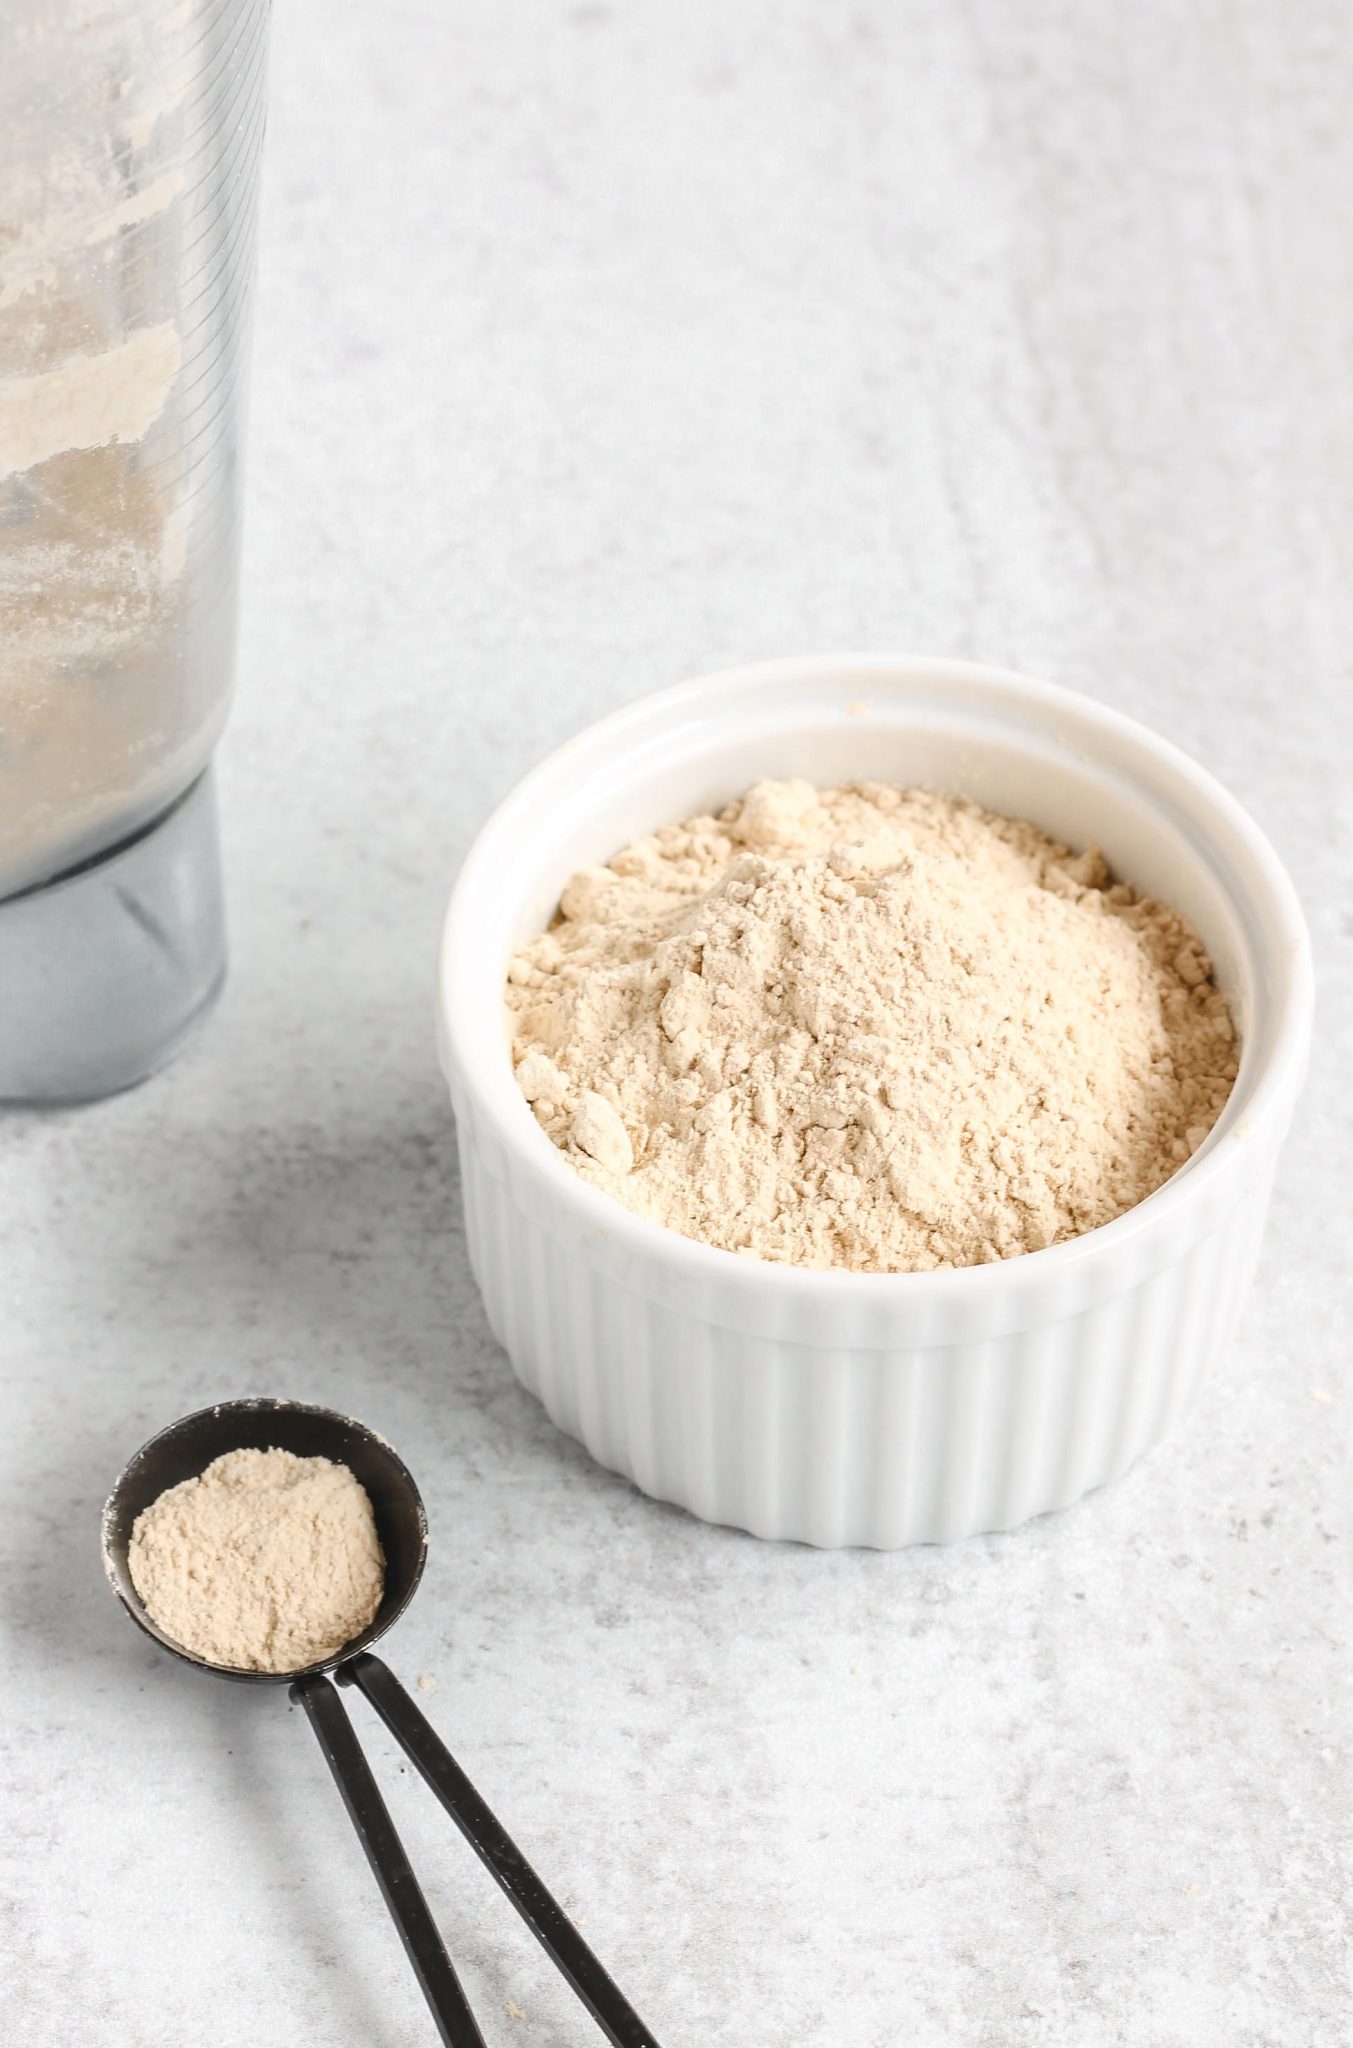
(495, 1848)
(385, 1853)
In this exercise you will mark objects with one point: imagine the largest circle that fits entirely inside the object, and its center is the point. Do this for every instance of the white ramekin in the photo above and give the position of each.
(846, 1408)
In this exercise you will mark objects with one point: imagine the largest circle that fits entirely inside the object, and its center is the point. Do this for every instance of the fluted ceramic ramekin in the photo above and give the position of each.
(853, 1408)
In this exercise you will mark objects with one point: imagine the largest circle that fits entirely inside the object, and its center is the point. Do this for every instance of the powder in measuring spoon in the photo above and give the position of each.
(265, 1562)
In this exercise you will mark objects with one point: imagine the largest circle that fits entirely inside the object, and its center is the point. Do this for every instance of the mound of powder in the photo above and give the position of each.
(871, 1028)
(266, 1562)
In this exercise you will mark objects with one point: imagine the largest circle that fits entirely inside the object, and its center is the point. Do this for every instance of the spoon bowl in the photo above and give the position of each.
(188, 1446)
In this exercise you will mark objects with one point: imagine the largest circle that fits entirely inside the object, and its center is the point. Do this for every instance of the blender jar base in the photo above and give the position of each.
(105, 972)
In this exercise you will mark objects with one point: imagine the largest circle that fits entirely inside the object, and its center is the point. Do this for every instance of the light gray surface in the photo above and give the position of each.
(597, 346)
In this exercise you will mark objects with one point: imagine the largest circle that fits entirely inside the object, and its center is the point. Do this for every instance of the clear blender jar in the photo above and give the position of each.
(128, 202)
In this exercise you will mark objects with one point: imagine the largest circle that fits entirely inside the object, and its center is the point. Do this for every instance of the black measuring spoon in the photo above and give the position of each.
(183, 1451)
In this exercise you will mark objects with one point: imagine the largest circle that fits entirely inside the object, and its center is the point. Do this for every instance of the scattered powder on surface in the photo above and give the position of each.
(871, 1028)
(266, 1562)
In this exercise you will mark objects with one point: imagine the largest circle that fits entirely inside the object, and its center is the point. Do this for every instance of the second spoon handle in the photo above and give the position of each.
(495, 1848)
(385, 1852)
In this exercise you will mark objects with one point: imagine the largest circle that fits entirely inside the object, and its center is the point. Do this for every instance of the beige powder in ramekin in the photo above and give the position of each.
(870, 1028)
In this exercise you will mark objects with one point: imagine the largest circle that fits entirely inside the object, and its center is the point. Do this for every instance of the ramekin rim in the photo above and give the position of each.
(528, 1146)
